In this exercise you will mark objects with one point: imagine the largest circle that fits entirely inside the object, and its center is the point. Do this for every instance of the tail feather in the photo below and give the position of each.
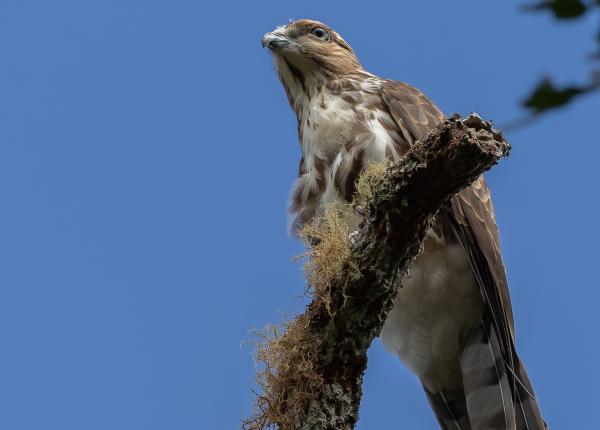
(488, 392)
(449, 408)
(528, 414)
(493, 396)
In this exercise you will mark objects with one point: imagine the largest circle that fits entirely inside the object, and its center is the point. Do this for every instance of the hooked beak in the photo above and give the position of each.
(275, 40)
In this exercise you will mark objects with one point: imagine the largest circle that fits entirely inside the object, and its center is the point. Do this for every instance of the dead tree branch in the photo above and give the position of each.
(334, 339)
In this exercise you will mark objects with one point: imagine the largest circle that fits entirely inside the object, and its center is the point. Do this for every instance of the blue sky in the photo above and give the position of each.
(146, 154)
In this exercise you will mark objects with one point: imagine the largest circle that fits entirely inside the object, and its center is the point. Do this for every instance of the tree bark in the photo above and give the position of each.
(397, 219)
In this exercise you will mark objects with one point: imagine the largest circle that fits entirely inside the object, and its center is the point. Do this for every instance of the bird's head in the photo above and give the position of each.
(310, 52)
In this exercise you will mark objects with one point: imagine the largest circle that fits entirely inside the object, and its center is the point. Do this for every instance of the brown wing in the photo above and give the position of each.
(470, 212)
(411, 109)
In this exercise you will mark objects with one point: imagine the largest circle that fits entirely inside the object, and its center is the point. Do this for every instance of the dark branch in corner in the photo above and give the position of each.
(337, 336)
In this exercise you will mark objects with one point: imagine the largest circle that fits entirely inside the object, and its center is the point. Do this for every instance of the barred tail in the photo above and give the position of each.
(450, 409)
(493, 396)
(487, 388)
(529, 416)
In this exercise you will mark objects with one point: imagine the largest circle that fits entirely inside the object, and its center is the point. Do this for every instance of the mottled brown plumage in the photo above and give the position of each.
(452, 320)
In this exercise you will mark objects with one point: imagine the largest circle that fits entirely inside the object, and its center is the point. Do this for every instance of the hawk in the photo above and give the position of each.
(451, 323)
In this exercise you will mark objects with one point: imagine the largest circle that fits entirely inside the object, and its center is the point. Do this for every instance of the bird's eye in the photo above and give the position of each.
(320, 33)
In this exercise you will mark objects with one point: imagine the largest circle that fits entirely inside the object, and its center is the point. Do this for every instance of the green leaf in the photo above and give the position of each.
(562, 9)
(546, 96)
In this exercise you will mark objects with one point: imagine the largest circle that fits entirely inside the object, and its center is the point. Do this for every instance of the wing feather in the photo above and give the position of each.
(470, 212)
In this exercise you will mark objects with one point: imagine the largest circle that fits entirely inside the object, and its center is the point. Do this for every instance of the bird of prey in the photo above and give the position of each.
(451, 323)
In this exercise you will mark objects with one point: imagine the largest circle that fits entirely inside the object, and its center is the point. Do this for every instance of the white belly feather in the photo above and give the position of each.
(437, 302)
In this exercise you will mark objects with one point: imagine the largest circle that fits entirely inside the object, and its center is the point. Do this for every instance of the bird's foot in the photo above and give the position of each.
(353, 237)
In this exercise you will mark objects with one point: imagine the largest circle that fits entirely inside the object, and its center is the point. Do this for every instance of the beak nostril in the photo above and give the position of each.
(274, 41)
